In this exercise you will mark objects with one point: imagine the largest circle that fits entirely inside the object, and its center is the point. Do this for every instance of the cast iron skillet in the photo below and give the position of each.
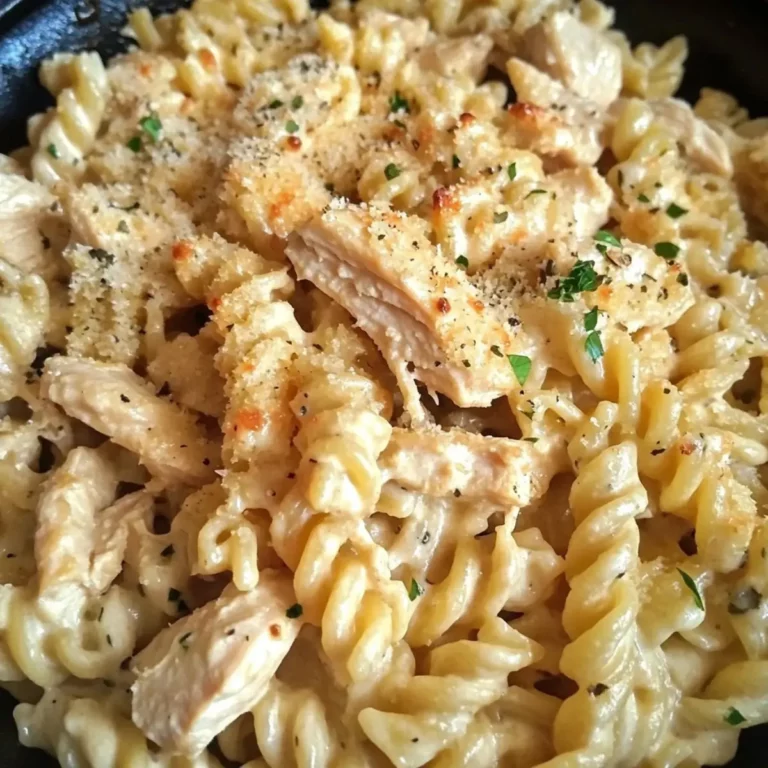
(728, 51)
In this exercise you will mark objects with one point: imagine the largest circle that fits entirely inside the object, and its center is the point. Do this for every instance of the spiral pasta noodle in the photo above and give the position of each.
(601, 610)
(411, 724)
(92, 733)
(63, 138)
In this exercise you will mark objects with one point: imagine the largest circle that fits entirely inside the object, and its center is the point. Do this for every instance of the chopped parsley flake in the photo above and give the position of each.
(134, 144)
(691, 584)
(291, 126)
(500, 217)
(521, 365)
(590, 319)
(463, 262)
(455, 161)
(667, 251)
(496, 351)
(391, 172)
(582, 277)
(644, 198)
(734, 717)
(682, 278)
(298, 102)
(152, 126)
(674, 211)
(608, 238)
(512, 171)
(535, 192)
(53, 151)
(594, 346)
(398, 104)
(294, 611)
(275, 104)
(399, 124)
(416, 590)
(531, 439)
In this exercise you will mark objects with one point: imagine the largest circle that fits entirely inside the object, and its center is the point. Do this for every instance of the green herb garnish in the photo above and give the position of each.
(416, 590)
(391, 172)
(512, 171)
(667, 251)
(500, 217)
(606, 237)
(691, 584)
(682, 278)
(275, 104)
(134, 144)
(674, 211)
(291, 126)
(496, 350)
(734, 717)
(463, 262)
(644, 198)
(582, 277)
(535, 192)
(298, 102)
(455, 161)
(53, 151)
(152, 126)
(594, 346)
(590, 319)
(521, 366)
(398, 104)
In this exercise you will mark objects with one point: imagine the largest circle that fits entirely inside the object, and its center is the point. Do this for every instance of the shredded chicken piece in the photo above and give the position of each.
(33, 232)
(418, 308)
(703, 146)
(551, 120)
(67, 510)
(457, 57)
(463, 464)
(577, 55)
(115, 401)
(207, 669)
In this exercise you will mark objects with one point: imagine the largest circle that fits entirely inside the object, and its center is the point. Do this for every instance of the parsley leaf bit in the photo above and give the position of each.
(298, 102)
(463, 262)
(607, 237)
(53, 151)
(674, 211)
(134, 144)
(415, 590)
(734, 717)
(594, 346)
(500, 217)
(535, 192)
(521, 366)
(291, 126)
(455, 161)
(667, 251)
(590, 319)
(398, 104)
(391, 172)
(512, 171)
(691, 584)
(152, 126)
(582, 277)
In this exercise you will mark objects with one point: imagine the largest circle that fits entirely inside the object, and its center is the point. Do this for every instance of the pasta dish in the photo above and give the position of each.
(385, 385)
